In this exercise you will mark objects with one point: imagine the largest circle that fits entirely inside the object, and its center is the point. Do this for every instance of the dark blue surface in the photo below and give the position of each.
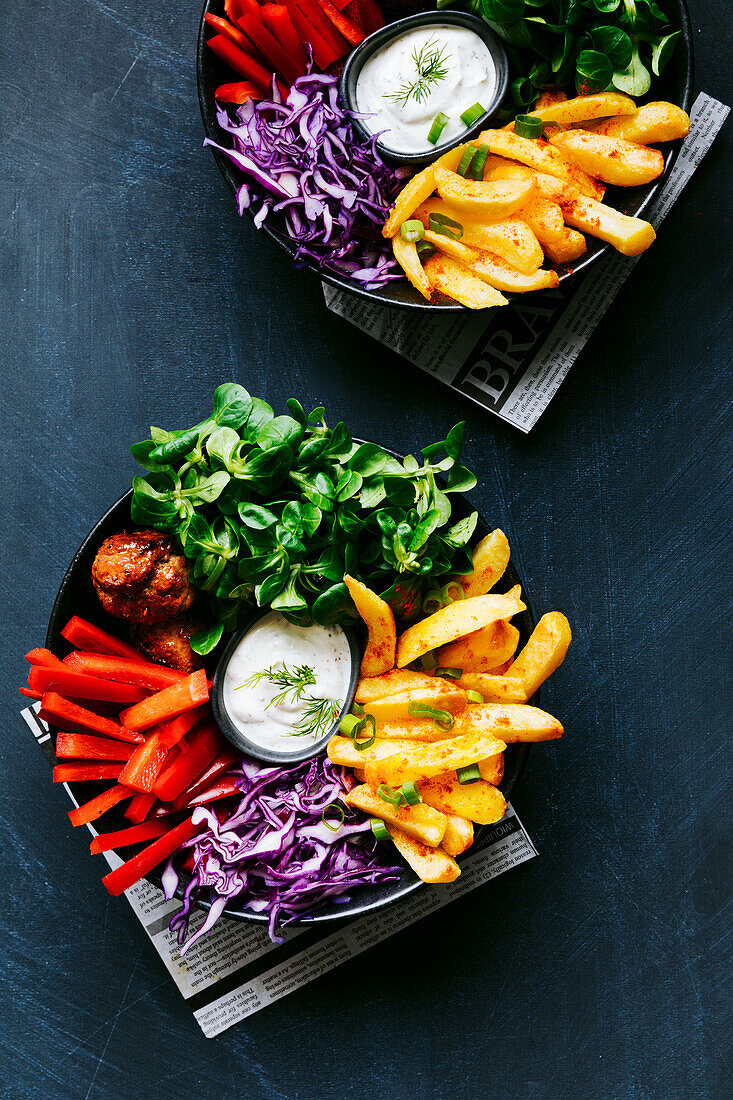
(129, 290)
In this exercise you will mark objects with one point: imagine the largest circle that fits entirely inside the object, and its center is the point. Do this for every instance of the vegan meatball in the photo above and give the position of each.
(141, 577)
(169, 643)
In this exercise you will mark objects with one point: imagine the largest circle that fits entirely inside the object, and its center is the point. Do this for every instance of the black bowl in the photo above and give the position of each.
(76, 596)
(356, 61)
(675, 85)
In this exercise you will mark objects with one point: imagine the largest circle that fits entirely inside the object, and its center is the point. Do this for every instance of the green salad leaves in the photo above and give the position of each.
(585, 45)
(273, 510)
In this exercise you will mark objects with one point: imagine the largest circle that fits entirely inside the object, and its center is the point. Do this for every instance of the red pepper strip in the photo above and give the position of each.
(187, 864)
(314, 27)
(168, 703)
(239, 92)
(241, 62)
(163, 809)
(55, 707)
(204, 744)
(136, 834)
(224, 788)
(172, 732)
(85, 773)
(341, 4)
(93, 809)
(139, 807)
(145, 764)
(30, 694)
(243, 41)
(342, 23)
(125, 670)
(233, 9)
(278, 22)
(122, 878)
(84, 746)
(365, 13)
(226, 759)
(43, 657)
(84, 635)
(253, 26)
(79, 686)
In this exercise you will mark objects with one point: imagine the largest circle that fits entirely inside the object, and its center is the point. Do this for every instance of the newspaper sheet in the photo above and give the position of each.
(236, 970)
(511, 361)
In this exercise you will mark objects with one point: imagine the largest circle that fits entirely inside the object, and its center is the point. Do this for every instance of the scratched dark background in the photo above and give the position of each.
(129, 290)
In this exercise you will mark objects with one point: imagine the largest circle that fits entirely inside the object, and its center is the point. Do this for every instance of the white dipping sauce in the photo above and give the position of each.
(274, 643)
(470, 77)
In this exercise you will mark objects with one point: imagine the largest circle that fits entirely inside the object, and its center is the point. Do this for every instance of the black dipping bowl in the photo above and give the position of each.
(303, 747)
(674, 85)
(76, 596)
(356, 61)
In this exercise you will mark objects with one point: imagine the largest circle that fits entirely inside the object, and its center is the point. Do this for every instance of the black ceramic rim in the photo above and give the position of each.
(240, 740)
(680, 17)
(356, 61)
(72, 598)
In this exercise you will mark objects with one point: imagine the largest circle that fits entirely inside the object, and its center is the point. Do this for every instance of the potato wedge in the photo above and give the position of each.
(456, 281)
(569, 247)
(424, 761)
(620, 162)
(489, 199)
(511, 238)
(421, 822)
(418, 189)
(429, 864)
(394, 708)
(502, 276)
(454, 621)
(495, 689)
(480, 801)
(600, 105)
(658, 121)
(457, 250)
(490, 558)
(482, 651)
(540, 155)
(630, 236)
(544, 652)
(341, 751)
(511, 722)
(405, 252)
(548, 97)
(390, 683)
(458, 835)
(377, 615)
(493, 163)
(413, 729)
(544, 218)
(492, 769)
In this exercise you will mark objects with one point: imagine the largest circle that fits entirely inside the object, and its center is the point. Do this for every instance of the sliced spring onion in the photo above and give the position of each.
(451, 592)
(348, 724)
(474, 697)
(527, 126)
(449, 673)
(379, 829)
(465, 162)
(443, 719)
(357, 709)
(439, 124)
(328, 824)
(410, 793)
(429, 661)
(469, 774)
(413, 230)
(389, 794)
(360, 731)
(479, 163)
(471, 114)
(425, 250)
(441, 223)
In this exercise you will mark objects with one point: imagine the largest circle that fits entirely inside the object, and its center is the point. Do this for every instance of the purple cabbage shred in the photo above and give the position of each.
(306, 164)
(283, 850)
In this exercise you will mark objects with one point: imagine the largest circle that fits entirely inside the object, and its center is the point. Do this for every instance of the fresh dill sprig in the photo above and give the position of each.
(430, 68)
(318, 714)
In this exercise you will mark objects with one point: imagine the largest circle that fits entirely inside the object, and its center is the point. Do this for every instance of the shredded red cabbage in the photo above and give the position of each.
(305, 160)
(283, 851)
